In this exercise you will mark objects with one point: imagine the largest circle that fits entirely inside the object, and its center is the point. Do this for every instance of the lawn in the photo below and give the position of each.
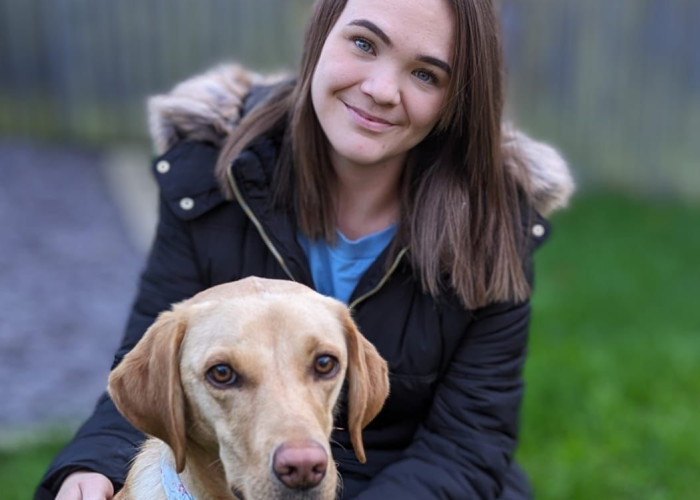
(613, 380)
(21, 468)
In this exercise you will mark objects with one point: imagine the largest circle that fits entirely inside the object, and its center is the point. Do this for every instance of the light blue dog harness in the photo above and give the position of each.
(173, 487)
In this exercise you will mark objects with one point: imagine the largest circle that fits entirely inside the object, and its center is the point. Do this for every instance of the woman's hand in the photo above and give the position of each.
(86, 485)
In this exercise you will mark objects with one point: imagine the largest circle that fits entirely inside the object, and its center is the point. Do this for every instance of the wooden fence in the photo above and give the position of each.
(80, 69)
(615, 84)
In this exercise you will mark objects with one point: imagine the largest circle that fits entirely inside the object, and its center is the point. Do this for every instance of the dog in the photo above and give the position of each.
(237, 388)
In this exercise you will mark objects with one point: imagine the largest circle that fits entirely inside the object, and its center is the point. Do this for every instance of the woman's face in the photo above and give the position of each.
(381, 78)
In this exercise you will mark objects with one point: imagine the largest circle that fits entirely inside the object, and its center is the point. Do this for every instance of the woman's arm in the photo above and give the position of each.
(465, 446)
(106, 442)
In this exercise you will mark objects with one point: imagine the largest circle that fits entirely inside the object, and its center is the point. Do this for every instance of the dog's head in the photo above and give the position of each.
(249, 372)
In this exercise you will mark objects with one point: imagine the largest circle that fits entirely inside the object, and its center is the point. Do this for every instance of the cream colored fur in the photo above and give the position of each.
(207, 107)
(222, 440)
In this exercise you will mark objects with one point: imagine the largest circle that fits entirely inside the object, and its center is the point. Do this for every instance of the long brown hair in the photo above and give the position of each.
(460, 213)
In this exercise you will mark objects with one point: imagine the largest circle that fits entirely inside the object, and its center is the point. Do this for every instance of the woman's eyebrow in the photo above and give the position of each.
(373, 28)
(436, 62)
(385, 38)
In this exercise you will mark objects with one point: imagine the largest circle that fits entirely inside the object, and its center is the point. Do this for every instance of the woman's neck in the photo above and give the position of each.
(367, 197)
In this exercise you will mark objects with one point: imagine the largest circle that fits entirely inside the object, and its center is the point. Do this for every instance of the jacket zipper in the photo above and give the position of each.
(278, 256)
(256, 223)
(382, 282)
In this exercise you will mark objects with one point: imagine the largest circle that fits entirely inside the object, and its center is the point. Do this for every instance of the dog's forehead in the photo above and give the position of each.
(253, 286)
(268, 317)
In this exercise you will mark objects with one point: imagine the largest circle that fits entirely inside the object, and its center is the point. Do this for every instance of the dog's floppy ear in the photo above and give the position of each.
(368, 384)
(146, 386)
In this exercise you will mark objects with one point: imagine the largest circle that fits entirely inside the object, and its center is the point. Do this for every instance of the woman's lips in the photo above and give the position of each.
(368, 121)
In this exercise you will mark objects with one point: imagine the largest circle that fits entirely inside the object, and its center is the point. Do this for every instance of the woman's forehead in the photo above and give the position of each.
(415, 22)
(393, 11)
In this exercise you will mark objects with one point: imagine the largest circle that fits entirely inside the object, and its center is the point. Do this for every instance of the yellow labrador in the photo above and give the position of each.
(237, 385)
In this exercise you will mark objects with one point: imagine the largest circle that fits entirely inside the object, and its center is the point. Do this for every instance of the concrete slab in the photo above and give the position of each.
(68, 271)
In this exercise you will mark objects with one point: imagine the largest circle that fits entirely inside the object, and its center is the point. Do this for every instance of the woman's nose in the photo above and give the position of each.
(383, 87)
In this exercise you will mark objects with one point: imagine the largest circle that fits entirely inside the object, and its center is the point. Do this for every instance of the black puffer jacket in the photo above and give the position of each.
(449, 427)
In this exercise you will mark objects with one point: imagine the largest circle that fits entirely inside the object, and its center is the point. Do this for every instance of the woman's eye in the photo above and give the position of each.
(326, 366)
(363, 45)
(425, 76)
(222, 376)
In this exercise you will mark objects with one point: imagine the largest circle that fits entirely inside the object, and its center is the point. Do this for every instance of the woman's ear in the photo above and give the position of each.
(146, 386)
(368, 383)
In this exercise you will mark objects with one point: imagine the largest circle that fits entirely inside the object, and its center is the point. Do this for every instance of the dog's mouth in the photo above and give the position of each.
(322, 491)
(237, 494)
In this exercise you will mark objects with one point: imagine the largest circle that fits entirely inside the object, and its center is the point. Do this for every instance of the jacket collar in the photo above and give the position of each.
(252, 172)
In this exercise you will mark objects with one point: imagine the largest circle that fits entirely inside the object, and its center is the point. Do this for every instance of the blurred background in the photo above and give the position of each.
(613, 381)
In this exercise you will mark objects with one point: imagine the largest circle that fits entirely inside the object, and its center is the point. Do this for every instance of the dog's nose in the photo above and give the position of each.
(300, 465)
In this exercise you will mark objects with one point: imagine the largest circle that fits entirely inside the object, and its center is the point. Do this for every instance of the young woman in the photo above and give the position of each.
(381, 176)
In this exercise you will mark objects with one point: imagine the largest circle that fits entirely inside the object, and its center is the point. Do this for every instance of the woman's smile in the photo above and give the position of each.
(368, 121)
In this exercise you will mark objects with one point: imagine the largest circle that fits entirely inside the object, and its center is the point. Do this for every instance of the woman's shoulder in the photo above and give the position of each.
(544, 181)
(188, 126)
(186, 178)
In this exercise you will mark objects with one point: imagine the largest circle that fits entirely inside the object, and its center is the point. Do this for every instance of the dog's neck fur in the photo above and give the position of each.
(204, 476)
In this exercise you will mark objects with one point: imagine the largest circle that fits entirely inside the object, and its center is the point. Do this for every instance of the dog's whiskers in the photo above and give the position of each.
(339, 486)
(334, 441)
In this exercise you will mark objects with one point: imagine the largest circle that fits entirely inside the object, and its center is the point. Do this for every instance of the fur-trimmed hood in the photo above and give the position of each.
(208, 107)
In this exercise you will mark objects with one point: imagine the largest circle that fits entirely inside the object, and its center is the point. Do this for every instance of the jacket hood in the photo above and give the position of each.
(208, 107)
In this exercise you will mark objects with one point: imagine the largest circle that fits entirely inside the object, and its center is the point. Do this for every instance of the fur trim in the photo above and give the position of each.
(208, 107)
(540, 169)
(203, 108)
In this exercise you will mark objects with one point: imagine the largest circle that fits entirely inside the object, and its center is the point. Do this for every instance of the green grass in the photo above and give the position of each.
(23, 463)
(613, 381)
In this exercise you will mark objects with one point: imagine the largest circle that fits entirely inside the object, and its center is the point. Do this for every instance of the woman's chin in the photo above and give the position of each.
(363, 155)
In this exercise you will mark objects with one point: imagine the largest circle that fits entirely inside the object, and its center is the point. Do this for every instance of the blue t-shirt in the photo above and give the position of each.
(337, 269)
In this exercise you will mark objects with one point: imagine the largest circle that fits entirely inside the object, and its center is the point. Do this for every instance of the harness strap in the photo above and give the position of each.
(173, 487)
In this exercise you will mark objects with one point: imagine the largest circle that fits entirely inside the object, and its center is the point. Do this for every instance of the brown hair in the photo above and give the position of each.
(460, 208)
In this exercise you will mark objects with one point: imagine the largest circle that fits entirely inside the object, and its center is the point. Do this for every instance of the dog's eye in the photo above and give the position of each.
(326, 366)
(222, 375)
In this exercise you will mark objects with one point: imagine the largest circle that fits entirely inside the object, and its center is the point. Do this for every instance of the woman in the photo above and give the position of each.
(381, 177)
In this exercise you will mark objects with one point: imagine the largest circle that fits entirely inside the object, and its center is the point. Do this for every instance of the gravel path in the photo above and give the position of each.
(67, 278)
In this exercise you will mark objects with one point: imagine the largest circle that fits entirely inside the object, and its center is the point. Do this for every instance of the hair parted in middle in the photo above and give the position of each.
(460, 206)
